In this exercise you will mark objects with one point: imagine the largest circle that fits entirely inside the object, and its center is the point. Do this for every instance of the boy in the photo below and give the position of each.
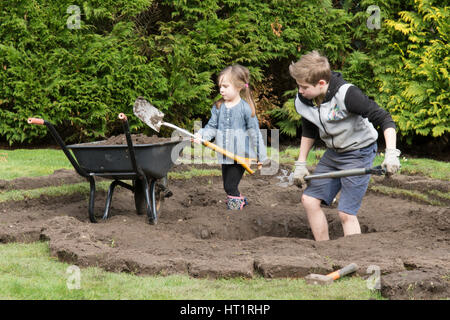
(344, 118)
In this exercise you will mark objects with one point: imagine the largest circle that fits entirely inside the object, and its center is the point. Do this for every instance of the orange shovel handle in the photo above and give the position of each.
(352, 267)
(334, 275)
(241, 160)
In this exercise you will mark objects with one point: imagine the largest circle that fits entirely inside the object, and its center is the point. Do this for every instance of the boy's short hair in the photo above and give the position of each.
(311, 68)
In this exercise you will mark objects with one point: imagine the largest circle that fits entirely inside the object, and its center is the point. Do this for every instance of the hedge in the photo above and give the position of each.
(171, 51)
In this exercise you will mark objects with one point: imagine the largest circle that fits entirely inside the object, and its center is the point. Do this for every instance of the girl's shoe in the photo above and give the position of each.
(235, 203)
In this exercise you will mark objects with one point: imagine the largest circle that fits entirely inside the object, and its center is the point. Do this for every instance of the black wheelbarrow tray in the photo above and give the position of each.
(146, 165)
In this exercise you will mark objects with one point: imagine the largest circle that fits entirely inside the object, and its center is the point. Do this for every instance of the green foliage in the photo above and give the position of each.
(76, 78)
(203, 37)
(171, 51)
(403, 65)
(206, 36)
(288, 118)
(82, 78)
(422, 102)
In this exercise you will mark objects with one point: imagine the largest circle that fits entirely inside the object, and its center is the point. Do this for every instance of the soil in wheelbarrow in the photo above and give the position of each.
(135, 138)
(405, 240)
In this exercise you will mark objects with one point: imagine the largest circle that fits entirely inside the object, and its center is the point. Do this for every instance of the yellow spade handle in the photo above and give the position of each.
(245, 162)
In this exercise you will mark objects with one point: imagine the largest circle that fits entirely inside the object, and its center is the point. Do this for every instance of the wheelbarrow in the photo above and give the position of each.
(146, 165)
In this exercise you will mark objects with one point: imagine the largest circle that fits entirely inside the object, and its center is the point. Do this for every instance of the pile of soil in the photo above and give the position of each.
(407, 241)
(135, 138)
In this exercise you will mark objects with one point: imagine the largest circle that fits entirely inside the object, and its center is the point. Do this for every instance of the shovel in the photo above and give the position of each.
(347, 173)
(288, 180)
(151, 116)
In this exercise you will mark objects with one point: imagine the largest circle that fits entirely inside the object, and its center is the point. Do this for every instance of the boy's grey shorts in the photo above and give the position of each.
(352, 188)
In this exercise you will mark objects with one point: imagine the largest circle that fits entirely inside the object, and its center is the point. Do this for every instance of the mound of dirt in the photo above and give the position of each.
(407, 241)
(135, 138)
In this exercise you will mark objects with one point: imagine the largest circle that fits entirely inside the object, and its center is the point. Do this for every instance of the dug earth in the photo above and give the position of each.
(405, 244)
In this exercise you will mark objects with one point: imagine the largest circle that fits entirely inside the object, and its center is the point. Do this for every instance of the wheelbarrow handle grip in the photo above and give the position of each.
(36, 121)
(241, 160)
(122, 116)
(61, 143)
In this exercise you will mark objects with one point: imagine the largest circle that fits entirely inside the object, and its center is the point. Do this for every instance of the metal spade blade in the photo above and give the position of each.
(149, 114)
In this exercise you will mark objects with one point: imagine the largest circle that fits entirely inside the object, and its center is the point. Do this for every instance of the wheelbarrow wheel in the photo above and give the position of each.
(139, 198)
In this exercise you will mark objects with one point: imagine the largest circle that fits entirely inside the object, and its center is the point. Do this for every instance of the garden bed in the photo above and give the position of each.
(404, 238)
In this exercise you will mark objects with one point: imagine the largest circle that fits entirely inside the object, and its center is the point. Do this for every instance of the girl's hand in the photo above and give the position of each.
(265, 163)
(197, 138)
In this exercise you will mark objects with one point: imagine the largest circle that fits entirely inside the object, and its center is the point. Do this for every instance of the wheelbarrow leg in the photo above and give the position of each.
(112, 186)
(153, 199)
(109, 198)
(92, 200)
(149, 194)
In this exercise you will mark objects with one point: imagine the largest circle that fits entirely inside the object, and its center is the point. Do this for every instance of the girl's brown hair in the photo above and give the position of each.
(239, 77)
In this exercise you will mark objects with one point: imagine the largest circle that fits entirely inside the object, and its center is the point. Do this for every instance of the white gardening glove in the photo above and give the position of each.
(299, 173)
(391, 162)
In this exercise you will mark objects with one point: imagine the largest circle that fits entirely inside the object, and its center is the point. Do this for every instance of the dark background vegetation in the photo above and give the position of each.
(171, 51)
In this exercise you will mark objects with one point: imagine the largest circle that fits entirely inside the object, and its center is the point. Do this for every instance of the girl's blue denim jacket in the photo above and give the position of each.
(235, 130)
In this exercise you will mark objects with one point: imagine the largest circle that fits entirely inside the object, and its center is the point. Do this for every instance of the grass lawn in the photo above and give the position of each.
(27, 271)
(31, 163)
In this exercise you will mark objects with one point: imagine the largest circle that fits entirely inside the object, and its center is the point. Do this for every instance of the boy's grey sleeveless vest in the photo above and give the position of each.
(339, 129)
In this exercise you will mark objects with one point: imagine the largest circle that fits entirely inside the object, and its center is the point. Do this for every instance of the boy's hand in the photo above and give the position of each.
(299, 173)
(391, 162)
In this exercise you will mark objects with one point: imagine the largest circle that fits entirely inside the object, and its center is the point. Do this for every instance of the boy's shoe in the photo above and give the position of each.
(235, 203)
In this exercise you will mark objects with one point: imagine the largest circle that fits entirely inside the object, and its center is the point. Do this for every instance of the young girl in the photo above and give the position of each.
(234, 126)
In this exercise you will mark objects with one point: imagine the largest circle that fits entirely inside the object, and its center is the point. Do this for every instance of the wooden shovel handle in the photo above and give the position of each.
(245, 162)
